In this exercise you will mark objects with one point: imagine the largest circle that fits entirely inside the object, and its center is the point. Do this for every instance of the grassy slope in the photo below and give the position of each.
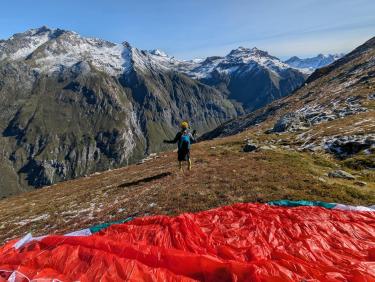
(221, 175)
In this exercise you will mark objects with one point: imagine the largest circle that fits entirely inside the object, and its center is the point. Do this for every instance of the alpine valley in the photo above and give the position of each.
(71, 106)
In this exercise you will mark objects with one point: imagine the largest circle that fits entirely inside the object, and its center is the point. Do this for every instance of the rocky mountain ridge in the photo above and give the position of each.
(251, 77)
(309, 65)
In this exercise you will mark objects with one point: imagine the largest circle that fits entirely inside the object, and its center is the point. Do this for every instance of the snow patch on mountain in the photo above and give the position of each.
(35, 42)
(51, 50)
(241, 59)
(159, 60)
(309, 65)
(244, 59)
(108, 57)
(21, 45)
(158, 52)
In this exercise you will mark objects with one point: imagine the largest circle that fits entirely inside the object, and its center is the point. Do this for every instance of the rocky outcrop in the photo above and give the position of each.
(291, 122)
(360, 183)
(345, 146)
(250, 146)
(341, 174)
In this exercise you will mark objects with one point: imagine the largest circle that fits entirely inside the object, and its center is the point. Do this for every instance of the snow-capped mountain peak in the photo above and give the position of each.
(308, 65)
(247, 52)
(158, 52)
(33, 32)
(239, 60)
(52, 50)
(21, 45)
(253, 57)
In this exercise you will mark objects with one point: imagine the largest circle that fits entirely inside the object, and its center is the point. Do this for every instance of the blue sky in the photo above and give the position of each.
(199, 28)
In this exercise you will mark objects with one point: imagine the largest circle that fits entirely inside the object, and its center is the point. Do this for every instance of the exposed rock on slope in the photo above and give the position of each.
(345, 146)
(341, 174)
(290, 122)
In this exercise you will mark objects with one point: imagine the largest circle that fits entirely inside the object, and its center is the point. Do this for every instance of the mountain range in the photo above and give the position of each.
(309, 65)
(251, 77)
(71, 105)
(335, 106)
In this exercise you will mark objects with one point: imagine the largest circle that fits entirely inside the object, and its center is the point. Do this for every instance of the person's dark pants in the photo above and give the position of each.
(184, 155)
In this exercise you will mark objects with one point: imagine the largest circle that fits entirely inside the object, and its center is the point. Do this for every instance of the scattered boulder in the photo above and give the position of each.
(341, 174)
(291, 122)
(360, 183)
(310, 147)
(344, 146)
(371, 96)
(319, 117)
(268, 147)
(250, 146)
(148, 158)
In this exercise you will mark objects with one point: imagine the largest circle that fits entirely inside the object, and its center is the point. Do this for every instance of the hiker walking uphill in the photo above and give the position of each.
(184, 139)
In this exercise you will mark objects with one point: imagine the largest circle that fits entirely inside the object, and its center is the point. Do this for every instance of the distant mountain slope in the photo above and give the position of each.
(309, 65)
(337, 101)
(251, 77)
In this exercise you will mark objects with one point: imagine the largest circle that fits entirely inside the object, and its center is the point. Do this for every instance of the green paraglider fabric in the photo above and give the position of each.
(288, 203)
(99, 227)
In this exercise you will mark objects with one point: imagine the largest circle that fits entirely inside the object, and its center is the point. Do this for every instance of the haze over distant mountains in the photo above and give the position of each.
(308, 65)
(72, 105)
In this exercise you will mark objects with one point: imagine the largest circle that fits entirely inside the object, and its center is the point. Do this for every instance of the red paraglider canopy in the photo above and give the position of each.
(243, 242)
